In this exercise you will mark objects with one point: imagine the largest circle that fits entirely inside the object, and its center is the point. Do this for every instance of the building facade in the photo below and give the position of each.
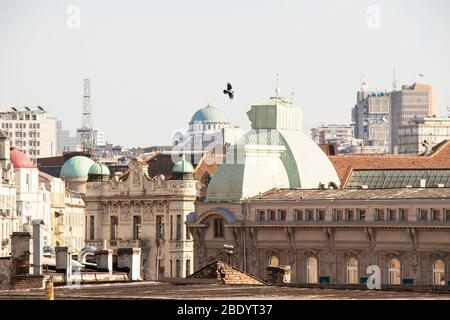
(31, 131)
(420, 135)
(340, 134)
(371, 119)
(331, 236)
(133, 210)
(411, 103)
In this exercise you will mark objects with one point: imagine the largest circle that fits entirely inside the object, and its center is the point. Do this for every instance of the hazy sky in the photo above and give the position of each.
(152, 64)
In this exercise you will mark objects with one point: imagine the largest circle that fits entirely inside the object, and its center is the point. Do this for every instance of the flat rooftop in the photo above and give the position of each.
(155, 290)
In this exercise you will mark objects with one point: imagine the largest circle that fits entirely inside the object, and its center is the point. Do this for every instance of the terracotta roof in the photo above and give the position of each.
(438, 159)
(354, 194)
(20, 159)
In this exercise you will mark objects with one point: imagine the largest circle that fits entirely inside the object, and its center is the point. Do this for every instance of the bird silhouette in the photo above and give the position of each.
(229, 91)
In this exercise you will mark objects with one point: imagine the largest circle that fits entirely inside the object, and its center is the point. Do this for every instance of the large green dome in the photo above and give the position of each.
(77, 166)
(100, 169)
(209, 114)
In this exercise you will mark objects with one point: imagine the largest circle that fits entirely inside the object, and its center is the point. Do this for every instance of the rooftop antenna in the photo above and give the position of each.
(87, 136)
(277, 89)
(363, 83)
(394, 83)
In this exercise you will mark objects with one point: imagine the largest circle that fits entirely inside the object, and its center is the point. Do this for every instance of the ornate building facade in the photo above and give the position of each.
(135, 210)
(333, 235)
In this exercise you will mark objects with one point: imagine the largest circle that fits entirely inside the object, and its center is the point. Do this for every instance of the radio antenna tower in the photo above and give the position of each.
(87, 136)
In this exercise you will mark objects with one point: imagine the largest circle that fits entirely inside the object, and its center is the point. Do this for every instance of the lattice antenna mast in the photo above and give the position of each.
(87, 136)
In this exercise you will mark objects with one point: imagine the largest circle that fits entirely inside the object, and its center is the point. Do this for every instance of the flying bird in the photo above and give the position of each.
(229, 91)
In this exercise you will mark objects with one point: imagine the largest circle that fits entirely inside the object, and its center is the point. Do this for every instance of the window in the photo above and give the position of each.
(352, 270)
(361, 215)
(187, 232)
(402, 214)
(171, 227)
(188, 267)
(171, 268)
(178, 268)
(350, 215)
(391, 214)
(178, 227)
(394, 271)
(311, 270)
(439, 273)
(298, 215)
(436, 214)
(159, 227)
(338, 214)
(218, 228)
(379, 214)
(261, 215)
(114, 231)
(271, 215)
(320, 214)
(274, 261)
(308, 215)
(447, 214)
(137, 228)
(282, 215)
(91, 227)
(423, 214)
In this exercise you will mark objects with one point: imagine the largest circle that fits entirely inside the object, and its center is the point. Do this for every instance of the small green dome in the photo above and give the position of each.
(77, 166)
(99, 169)
(209, 114)
(183, 166)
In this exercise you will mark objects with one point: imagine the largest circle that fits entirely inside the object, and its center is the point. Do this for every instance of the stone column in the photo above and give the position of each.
(104, 260)
(64, 262)
(20, 252)
(130, 258)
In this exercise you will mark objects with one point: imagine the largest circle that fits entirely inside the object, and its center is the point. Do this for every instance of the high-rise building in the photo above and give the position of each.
(412, 102)
(420, 135)
(31, 131)
(66, 142)
(371, 118)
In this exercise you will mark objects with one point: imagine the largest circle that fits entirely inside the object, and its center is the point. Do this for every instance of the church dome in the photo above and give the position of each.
(20, 159)
(183, 166)
(209, 114)
(76, 167)
(100, 169)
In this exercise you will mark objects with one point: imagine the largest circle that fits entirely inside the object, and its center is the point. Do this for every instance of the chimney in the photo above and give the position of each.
(423, 183)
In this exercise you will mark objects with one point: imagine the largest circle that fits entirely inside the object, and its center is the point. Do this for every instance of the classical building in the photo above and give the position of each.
(9, 220)
(332, 236)
(31, 131)
(139, 210)
(306, 223)
(420, 135)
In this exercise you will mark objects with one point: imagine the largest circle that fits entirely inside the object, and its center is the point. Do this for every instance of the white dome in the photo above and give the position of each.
(274, 154)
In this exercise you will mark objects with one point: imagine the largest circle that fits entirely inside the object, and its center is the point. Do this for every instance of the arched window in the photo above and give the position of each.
(394, 271)
(274, 261)
(352, 270)
(439, 273)
(311, 270)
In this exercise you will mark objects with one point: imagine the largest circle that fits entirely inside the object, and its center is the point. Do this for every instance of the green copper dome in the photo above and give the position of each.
(183, 166)
(77, 166)
(99, 169)
(209, 114)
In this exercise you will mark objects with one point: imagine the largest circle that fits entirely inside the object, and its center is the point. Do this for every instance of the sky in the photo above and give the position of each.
(152, 64)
